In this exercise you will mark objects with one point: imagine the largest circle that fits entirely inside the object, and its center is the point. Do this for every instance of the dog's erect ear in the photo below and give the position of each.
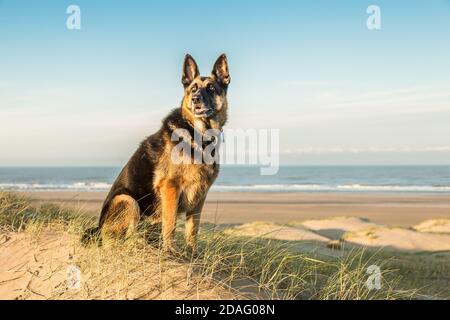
(220, 70)
(190, 71)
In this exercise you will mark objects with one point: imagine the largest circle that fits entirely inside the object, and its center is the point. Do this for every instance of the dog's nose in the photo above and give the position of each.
(196, 99)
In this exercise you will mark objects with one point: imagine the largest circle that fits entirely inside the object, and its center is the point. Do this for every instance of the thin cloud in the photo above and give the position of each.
(339, 150)
(351, 103)
(306, 83)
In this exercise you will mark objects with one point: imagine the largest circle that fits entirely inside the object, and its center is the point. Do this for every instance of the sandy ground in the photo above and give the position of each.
(327, 224)
(406, 222)
(350, 232)
(39, 266)
(436, 226)
(405, 210)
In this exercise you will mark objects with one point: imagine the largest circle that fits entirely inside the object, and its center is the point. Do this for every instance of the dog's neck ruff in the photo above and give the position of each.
(202, 124)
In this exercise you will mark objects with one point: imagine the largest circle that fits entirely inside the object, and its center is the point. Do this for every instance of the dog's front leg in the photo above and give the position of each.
(192, 225)
(169, 205)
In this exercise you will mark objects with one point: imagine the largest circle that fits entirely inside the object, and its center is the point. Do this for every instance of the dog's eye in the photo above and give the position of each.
(194, 88)
(211, 88)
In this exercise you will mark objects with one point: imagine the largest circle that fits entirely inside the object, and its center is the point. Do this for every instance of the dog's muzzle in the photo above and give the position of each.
(199, 109)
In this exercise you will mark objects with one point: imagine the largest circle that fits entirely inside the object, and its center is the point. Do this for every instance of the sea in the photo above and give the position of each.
(361, 179)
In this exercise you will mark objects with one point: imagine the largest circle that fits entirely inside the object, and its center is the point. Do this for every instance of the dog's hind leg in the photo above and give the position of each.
(121, 218)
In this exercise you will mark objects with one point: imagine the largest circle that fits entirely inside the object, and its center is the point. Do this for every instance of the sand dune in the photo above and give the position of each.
(335, 228)
(351, 232)
(36, 267)
(434, 226)
(34, 263)
(399, 239)
(275, 231)
(31, 269)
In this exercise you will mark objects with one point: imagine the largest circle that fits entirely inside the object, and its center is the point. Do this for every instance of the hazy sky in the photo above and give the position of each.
(338, 92)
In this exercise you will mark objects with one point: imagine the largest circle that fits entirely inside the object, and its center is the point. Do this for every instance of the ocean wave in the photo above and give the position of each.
(76, 186)
(104, 186)
(331, 188)
(359, 187)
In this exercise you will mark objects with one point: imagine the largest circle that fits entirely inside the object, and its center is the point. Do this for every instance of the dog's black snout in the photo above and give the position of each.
(197, 99)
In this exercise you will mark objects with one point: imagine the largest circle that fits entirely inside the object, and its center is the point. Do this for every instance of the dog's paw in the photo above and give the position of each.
(191, 252)
(171, 251)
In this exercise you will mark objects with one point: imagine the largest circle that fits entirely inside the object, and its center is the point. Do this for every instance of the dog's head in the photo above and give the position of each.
(205, 98)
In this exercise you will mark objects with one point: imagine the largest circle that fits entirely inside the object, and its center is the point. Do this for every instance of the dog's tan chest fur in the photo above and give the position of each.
(195, 181)
(191, 180)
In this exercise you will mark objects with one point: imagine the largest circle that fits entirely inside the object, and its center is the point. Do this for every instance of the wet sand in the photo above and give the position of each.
(404, 210)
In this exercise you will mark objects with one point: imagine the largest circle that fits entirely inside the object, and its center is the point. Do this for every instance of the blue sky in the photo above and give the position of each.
(338, 92)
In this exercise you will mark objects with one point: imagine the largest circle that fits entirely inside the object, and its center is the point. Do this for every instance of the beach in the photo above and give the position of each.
(334, 235)
(394, 209)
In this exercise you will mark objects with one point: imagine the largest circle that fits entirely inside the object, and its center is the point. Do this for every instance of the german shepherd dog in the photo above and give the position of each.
(151, 186)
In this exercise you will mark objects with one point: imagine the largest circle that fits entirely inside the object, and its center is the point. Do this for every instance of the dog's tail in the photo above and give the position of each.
(91, 235)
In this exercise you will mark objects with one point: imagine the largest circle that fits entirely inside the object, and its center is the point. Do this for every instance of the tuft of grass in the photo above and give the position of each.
(277, 270)
(224, 266)
(15, 211)
(17, 214)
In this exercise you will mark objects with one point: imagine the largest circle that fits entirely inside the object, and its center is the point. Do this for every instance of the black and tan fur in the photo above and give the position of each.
(151, 186)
